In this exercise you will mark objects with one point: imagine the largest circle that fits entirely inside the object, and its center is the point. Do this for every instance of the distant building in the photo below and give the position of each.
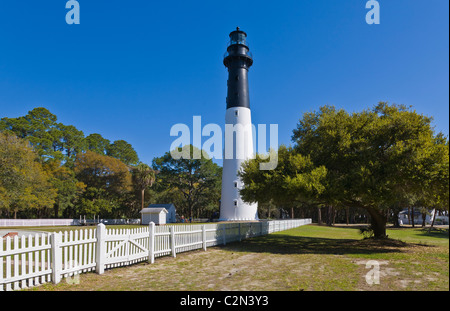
(153, 208)
(404, 217)
(156, 215)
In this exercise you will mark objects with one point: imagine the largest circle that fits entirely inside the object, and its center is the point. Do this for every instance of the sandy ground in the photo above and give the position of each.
(229, 269)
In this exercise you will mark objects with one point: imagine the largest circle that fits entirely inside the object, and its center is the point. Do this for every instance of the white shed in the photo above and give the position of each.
(157, 215)
(171, 211)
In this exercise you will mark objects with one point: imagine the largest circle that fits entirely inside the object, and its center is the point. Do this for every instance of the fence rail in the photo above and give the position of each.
(48, 257)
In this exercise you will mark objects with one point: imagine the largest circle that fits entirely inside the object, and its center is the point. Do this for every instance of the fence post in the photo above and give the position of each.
(172, 241)
(101, 249)
(55, 240)
(151, 242)
(204, 237)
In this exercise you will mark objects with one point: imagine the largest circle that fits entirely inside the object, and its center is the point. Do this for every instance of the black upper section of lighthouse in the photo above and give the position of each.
(238, 60)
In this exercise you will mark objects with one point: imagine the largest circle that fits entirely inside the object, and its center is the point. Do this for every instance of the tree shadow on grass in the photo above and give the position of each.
(288, 244)
(435, 233)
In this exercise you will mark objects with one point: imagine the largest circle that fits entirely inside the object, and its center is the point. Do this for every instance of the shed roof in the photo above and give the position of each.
(154, 210)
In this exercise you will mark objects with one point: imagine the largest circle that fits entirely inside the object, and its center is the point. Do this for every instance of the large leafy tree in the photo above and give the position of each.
(123, 151)
(434, 175)
(69, 189)
(96, 143)
(197, 180)
(59, 142)
(295, 179)
(72, 141)
(24, 184)
(50, 139)
(107, 180)
(39, 128)
(375, 157)
(57, 147)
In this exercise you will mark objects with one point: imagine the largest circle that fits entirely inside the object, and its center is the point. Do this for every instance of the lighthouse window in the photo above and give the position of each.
(235, 184)
(235, 202)
(236, 113)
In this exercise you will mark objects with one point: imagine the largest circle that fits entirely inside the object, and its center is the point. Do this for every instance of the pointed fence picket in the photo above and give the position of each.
(48, 257)
(24, 261)
(77, 251)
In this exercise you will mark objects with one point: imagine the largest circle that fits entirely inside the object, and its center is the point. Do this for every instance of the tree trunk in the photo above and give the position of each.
(334, 216)
(330, 215)
(377, 222)
(292, 213)
(434, 218)
(142, 198)
(424, 216)
(319, 216)
(56, 208)
(396, 221)
(190, 213)
(347, 212)
(412, 217)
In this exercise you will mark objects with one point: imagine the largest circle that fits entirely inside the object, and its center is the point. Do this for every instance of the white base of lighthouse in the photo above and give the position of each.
(238, 148)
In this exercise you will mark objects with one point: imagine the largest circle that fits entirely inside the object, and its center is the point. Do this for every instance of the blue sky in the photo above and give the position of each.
(132, 69)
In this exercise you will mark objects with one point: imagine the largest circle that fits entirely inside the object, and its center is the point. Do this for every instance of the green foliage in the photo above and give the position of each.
(39, 127)
(71, 140)
(366, 232)
(294, 179)
(51, 140)
(197, 180)
(123, 151)
(143, 178)
(107, 179)
(51, 169)
(68, 188)
(24, 184)
(59, 142)
(96, 143)
(374, 159)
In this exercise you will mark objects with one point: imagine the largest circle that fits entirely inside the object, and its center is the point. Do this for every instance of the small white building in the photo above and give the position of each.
(157, 215)
(170, 208)
(404, 218)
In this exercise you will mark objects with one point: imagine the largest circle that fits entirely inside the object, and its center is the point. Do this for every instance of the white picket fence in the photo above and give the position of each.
(64, 222)
(48, 257)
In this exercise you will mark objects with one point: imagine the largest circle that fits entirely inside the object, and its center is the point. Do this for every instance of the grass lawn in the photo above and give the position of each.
(312, 258)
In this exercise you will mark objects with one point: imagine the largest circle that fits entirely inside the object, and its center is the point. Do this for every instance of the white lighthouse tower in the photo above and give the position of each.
(238, 129)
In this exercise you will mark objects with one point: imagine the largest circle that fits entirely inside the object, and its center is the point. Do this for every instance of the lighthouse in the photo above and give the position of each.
(238, 130)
